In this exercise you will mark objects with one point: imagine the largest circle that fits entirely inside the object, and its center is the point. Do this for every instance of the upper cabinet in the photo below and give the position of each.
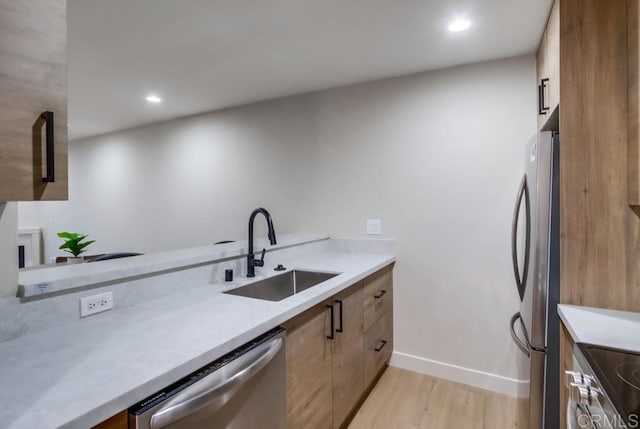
(548, 68)
(33, 101)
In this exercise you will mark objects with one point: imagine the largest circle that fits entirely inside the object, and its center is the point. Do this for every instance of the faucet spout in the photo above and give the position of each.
(252, 262)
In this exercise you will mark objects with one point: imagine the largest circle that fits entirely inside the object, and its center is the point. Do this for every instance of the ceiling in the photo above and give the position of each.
(201, 55)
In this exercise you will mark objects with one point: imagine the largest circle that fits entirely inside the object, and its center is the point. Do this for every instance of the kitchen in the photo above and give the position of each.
(389, 174)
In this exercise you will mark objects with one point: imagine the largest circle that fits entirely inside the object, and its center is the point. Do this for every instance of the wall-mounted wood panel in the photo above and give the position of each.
(599, 157)
(599, 232)
(633, 96)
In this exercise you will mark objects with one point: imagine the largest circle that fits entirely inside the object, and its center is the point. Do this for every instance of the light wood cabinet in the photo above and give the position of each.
(599, 245)
(310, 369)
(548, 68)
(33, 106)
(348, 376)
(324, 362)
(331, 366)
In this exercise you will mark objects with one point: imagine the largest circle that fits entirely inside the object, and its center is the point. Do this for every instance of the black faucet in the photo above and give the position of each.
(252, 262)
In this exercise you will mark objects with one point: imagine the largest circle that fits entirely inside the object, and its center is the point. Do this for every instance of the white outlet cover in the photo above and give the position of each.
(96, 304)
(374, 226)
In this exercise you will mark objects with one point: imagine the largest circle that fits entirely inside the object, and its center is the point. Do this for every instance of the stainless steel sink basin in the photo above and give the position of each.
(282, 286)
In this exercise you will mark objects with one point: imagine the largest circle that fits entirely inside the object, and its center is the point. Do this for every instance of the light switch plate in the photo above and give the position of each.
(374, 226)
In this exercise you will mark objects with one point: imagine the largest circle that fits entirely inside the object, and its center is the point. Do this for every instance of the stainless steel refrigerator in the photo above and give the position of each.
(535, 246)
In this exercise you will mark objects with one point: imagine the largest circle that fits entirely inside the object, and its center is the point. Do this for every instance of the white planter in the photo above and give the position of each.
(78, 260)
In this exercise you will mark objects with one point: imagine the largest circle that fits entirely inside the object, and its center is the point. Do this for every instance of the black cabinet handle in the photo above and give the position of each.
(332, 336)
(380, 294)
(381, 346)
(542, 108)
(340, 329)
(50, 147)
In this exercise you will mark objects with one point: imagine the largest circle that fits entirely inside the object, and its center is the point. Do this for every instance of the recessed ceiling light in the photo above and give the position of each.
(153, 99)
(459, 25)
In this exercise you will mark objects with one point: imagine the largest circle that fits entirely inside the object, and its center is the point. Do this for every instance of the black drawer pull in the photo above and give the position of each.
(340, 329)
(542, 108)
(380, 294)
(332, 336)
(47, 117)
(381, 346)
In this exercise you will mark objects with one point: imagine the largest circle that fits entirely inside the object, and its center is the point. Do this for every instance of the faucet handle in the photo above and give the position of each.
(260, 262)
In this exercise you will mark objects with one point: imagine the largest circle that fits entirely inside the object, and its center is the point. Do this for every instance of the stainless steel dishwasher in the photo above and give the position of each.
(244, 389)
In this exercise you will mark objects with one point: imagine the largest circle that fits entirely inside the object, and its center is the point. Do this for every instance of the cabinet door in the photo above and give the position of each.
(548, 68)
(348, 376)
(309, 369)
(33, 80)
(553, 56)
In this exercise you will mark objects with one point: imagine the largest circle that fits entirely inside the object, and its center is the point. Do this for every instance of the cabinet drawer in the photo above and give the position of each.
(378, 295)
(378, 345)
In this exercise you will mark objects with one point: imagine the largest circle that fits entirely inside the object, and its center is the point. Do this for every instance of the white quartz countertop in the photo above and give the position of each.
(79, 374)
(601, 327)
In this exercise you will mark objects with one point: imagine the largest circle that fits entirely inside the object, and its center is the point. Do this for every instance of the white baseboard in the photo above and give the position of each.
(472, 377)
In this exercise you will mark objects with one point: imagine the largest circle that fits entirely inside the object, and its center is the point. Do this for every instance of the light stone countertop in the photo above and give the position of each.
(602, 327)
(52, 279)
(79, 374)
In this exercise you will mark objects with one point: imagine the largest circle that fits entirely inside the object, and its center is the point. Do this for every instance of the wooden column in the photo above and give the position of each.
(600, 251)
(599, 232)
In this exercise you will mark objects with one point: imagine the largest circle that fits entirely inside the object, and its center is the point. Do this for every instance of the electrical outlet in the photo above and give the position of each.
(96, 304)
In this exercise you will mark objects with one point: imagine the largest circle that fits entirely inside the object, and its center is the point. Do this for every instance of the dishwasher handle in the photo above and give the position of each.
(216, 389)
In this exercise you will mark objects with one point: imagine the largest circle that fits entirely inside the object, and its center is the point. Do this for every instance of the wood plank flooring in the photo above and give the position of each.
(405, 399)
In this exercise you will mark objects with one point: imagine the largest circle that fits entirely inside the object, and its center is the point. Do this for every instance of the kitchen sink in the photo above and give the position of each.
(282, 286)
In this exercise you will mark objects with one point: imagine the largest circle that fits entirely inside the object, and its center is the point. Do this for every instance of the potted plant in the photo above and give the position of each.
(75, 245)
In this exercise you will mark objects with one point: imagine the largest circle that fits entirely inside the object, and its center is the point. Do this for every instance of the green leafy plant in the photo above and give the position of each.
(73, 243)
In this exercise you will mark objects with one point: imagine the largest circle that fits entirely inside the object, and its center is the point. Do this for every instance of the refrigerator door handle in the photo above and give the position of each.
(523, 193)
(522, 345)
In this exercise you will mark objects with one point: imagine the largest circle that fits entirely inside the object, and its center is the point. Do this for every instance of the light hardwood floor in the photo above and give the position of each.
(405, 399)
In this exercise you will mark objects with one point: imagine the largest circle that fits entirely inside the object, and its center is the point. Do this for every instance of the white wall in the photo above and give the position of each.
(8, 249)
(437, 156)
(30, 214)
